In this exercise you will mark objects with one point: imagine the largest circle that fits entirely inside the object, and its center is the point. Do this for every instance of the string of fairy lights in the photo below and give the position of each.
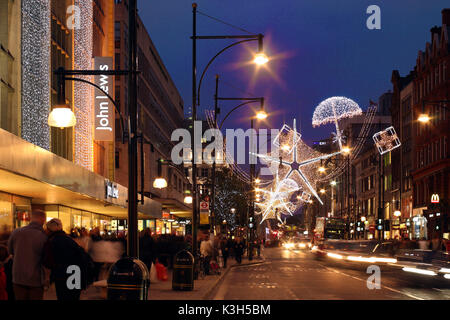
(36, 72)
(83, 93)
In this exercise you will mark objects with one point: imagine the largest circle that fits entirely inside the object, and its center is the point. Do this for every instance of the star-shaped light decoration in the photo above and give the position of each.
(300, 167)
(277, 198)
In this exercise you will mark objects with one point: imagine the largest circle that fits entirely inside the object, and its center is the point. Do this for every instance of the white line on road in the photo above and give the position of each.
(383, 286)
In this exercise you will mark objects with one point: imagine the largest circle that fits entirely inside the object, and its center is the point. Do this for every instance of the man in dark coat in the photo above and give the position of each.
(62, 255)
(239, 250)
(147, 248)
(26, 245)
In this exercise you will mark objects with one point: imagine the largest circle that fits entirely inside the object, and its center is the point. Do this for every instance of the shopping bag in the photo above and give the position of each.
(161, 272)
(153, 274)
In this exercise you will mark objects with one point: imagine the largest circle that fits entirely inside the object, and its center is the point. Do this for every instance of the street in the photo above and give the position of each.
(296, 275)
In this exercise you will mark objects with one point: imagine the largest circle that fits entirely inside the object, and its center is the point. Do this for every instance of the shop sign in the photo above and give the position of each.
(103, 107)
(111, 190)
(435, 198)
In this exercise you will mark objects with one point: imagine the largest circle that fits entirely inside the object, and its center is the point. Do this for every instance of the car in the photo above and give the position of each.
(302, 243)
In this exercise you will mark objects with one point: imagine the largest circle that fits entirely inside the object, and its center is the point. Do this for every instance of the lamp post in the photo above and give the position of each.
(260, 115)
(424, 117)
(59, 117)
(260, 58)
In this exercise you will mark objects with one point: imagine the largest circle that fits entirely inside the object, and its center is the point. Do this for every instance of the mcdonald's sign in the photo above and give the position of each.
(435, 198)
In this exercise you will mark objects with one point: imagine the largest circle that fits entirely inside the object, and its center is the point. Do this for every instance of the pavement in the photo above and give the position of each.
(297, 275)
(162, 290)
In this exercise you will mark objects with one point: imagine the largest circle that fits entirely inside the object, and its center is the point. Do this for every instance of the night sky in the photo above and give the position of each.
(319, 49)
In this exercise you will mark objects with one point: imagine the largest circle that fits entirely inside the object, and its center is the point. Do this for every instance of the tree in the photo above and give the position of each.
(231, 193)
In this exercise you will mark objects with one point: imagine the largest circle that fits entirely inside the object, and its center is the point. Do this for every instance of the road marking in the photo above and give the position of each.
(383, 286)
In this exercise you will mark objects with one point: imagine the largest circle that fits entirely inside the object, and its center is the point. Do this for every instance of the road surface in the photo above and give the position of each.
(296, 275)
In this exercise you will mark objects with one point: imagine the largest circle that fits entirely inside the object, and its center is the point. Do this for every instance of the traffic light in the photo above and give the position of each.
(380, 224)
(250, 223)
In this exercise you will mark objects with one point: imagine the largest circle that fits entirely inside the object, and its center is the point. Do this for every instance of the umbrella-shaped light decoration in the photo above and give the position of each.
(334, 109)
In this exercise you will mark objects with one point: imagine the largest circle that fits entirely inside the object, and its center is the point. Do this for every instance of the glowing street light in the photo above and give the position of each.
(261, 115)
(346, 150)
(322, 191)
(363, 219)
(321, 169)
(260, 58)
(62, 116)
(188, 199)
(160, 183)
(397, 213)
(333, 183)
(424, 118)
(257, 180)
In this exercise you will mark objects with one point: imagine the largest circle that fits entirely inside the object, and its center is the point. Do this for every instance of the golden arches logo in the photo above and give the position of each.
(435, 198)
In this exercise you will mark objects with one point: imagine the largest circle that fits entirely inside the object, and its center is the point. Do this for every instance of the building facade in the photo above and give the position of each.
(431, 159)
(66, 172)
(161, 112)
(402, 158)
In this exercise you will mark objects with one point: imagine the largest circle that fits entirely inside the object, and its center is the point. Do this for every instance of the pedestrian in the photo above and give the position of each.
(6, 263)
(61, 254)
(26, 245)
(225, 251)
(3, 278)
(146, 248)
(206, 250)
(258, 248)
(239, 250)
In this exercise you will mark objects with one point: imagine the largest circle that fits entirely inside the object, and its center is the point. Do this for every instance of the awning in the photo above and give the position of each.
(30, 171)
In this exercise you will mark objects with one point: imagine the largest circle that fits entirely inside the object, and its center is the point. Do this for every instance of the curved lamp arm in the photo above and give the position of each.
(213, 58)
(235, 108)
(106, 94)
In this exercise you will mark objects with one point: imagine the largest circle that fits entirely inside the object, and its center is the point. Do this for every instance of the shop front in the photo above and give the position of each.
(34, 178)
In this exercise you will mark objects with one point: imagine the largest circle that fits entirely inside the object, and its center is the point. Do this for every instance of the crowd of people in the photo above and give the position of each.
(38, 255)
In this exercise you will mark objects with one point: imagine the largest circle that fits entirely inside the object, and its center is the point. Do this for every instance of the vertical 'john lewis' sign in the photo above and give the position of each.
(104, 109)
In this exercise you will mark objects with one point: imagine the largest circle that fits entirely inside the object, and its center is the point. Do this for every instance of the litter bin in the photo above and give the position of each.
(183, 271)
(128, 279)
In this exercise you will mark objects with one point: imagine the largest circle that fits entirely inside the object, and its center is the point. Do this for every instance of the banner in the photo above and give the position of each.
(104, 108)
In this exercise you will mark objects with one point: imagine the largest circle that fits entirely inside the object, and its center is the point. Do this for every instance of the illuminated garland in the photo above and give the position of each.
(36, 72)
(83, 93)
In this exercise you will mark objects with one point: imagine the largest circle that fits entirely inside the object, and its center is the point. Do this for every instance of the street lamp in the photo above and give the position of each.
(188, 199)
(65, 118)
(62, 116)
(346, 150)
(322, 191)
(423, 117)
(259, 59)
(333, 183)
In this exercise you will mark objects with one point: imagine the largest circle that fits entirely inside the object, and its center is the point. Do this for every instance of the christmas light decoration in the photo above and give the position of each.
(334, 109)
(36, 72)
(369, 116)
(83, 93)
(277, 198)
(301, 166)
(386, 140)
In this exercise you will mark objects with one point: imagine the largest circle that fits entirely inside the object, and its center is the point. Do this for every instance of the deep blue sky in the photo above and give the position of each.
(323, 49)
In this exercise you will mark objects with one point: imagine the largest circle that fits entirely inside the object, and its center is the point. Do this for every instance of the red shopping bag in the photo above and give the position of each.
(161, 271)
